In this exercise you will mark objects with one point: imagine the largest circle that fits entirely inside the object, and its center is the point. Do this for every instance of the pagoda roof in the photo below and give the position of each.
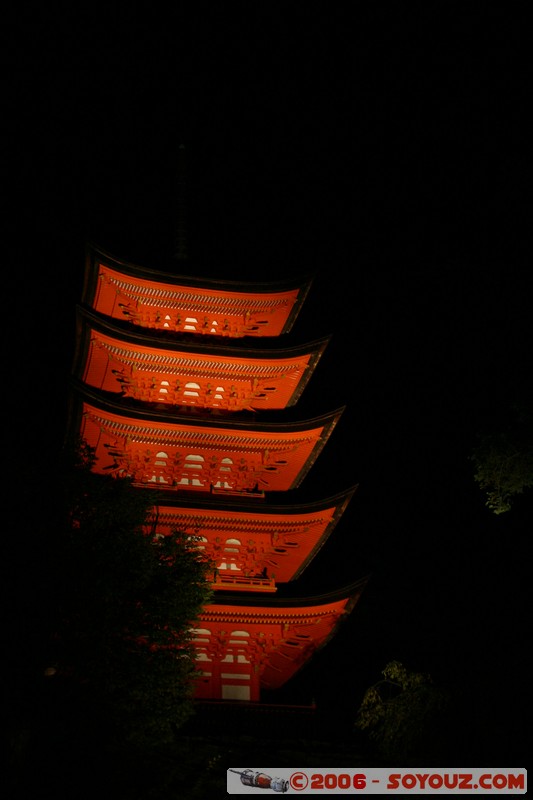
(96, 254)
(117, 288)
(282, 538)
(279, 636)
(129, 436)
(250, 346)
(117, 356)
(156, 412)
(285, 505)
(259, 605)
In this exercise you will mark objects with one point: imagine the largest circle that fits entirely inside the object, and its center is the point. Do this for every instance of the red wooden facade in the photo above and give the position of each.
(165, 399)
(253, 548)
(244, 647)
(155, 300)
(174, 452)
(170, 370)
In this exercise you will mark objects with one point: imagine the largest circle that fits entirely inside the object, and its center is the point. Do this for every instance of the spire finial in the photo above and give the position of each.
(180, 245)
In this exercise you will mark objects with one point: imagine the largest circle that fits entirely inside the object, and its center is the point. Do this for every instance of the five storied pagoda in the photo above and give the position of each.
(181, 384)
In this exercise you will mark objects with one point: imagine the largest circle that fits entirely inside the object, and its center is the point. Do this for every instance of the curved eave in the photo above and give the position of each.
(319, 615)
(87, 318)
(96, 255)
(339, 500)
(137, 410)
(338, 504)
(349, 593)
(340, 508)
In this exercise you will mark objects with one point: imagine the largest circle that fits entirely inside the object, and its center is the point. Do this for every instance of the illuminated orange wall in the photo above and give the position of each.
(174, 307)
(252, 542)
(243, 649)
(199, 457)
(205, 380)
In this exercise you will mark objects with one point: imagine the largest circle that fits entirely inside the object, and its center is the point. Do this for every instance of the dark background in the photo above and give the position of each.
(381, 148)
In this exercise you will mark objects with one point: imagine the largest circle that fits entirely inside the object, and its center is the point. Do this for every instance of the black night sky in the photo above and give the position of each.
(381, 148)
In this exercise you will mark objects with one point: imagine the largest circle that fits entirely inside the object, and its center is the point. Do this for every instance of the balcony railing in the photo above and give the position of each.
(242, 583)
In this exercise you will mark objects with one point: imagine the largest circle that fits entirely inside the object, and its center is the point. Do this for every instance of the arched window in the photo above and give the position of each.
(192, 389)
(194, 462)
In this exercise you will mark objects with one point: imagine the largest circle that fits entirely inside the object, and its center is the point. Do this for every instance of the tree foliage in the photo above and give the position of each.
(503, 460)
(400, 712)
(126, 601)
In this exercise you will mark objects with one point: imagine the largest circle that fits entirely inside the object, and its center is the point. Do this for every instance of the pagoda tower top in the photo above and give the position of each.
(160, 300)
